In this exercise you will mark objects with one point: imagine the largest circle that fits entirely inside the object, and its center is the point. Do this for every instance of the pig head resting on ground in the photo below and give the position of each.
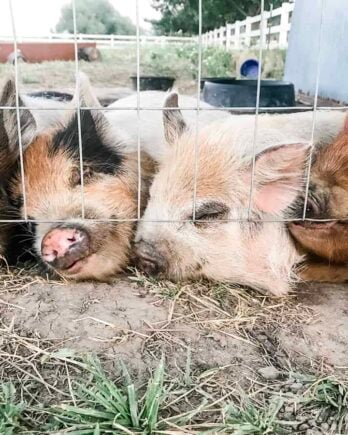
(73, 247)
(326, 242)
(254, 253)
(9, 152)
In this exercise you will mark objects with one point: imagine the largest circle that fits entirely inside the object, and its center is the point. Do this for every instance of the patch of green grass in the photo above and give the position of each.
(249, 419)
(104, 407)
(119, 63)
(99, 404)
(330, 397)
(10, 410)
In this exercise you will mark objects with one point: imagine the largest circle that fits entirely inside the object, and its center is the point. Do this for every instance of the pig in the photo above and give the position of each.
(151, 131)
(68, 245)
(324, 238)
(14, 238)
(50, 196)
(9, 152)
(221, 242)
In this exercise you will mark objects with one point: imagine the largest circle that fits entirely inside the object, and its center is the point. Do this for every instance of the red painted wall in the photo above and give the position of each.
(40, 51)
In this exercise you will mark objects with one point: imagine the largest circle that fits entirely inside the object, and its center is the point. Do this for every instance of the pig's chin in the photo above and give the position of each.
(89, 268)
(77, 267)
(181, 274)
(317, 228)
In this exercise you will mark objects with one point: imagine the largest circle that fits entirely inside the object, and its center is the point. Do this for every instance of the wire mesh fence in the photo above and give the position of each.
(139, 108)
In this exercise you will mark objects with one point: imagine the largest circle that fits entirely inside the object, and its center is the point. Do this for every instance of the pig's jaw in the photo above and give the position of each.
(266, 261)
(277, 258)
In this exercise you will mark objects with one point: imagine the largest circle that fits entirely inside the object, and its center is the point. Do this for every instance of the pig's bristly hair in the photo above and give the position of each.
(100, 155)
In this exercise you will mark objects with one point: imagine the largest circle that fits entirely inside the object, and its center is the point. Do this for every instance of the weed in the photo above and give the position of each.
(104, 406)
(10, 410)
(250, 419)
(330, 397)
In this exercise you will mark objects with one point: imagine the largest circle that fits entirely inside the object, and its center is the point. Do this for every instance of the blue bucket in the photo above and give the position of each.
(249, 69)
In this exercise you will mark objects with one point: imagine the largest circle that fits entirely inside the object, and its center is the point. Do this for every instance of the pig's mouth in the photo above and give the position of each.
(66, 249)
(319, 226)
(76, 266)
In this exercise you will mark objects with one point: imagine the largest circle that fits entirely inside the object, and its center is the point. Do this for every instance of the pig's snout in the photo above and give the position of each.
(149, 259)
(62, 248)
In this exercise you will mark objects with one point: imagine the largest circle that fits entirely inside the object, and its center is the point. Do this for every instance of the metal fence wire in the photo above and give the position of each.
(138, 108)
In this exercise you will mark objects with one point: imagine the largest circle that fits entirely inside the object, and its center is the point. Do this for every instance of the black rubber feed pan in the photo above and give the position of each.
(148, 83)
(205, 79)
(52, 95)
(242, 93)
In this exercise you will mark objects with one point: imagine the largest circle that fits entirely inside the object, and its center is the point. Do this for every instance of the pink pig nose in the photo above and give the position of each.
(63, 247)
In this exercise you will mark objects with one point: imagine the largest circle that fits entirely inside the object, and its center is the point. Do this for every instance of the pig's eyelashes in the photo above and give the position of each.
(211, 211)
(312, 208)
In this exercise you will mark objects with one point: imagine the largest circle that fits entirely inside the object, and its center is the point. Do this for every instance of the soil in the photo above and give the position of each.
(123, 321)
(326, 337)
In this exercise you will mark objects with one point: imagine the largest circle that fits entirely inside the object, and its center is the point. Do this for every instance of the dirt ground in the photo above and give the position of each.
(230, 343)
(125, 320)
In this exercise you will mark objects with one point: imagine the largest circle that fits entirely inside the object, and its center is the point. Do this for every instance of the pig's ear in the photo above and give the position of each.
(173, 121)
(85, 92)
(279, 177)
(9, 129)
(345, 126)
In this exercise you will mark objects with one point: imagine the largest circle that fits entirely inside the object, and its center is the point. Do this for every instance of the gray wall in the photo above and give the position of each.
(302, 56)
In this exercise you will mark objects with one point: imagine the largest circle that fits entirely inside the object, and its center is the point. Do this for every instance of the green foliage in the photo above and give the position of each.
(250, 420)
(105, 407)
(95, 17)
(182, 15)
(99, 404)
(179, 60)
(331, 397)
(10, 411)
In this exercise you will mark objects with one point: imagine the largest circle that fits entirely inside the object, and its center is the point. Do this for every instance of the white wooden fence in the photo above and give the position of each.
(100, 40)
(243, 34)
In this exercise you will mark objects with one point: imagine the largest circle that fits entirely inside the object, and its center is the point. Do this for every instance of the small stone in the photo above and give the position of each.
(288, 416)
(312, 422)
(270, 373)
(303, 426)
(289, 408)
(296, 386)
(325, 427)
(333, 427)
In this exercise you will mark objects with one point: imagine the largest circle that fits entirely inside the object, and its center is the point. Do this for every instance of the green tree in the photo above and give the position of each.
(181, 16)
(96, 17)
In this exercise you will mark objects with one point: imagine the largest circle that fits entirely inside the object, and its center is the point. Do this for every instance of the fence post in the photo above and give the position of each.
(222, 36)
(284, 25)
(237, 35)
(216, 36)
(247, 32)
(228, 36)
(266, 15)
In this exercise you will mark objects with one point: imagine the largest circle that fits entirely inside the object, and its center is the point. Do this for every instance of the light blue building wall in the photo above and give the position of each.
(303, 51)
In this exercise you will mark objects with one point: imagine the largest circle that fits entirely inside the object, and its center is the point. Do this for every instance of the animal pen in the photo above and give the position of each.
(201, 39)
(141, 355)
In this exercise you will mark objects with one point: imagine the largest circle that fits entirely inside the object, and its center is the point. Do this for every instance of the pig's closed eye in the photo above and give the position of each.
(313, 207)
(211, 211)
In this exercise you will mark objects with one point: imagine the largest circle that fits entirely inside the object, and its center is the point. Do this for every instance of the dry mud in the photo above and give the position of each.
(123, 321)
